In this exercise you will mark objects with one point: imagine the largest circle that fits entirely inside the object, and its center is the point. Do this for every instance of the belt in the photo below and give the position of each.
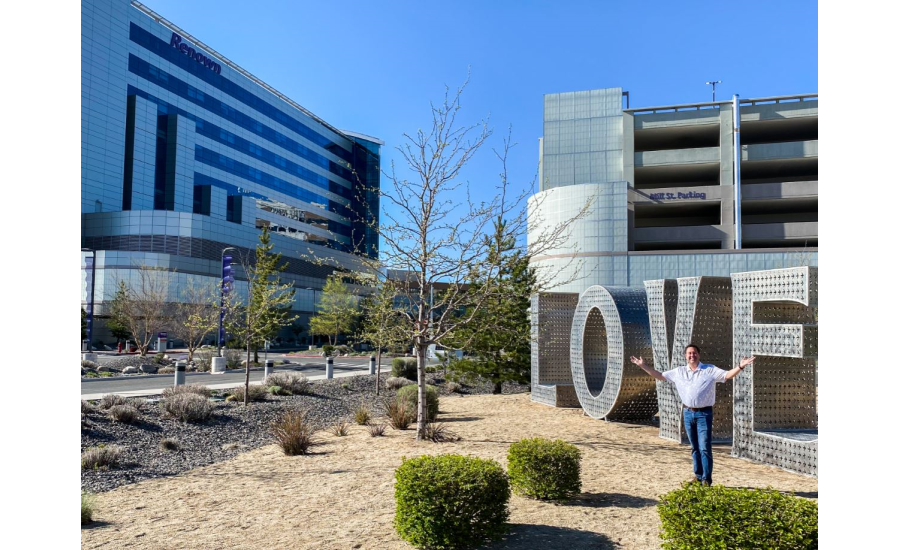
(697, 409)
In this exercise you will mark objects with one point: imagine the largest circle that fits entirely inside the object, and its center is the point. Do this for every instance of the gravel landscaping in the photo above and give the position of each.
(231, 430)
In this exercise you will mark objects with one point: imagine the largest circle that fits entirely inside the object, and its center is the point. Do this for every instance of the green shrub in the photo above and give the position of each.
(186, 407)
(736, 518)
(233, 358)
(450, 501)
(544, 469)
(410, 394)
(328, 350)
(87, 507)
(405, 367)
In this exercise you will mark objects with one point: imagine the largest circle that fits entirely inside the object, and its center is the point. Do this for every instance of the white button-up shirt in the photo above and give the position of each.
(696, 388)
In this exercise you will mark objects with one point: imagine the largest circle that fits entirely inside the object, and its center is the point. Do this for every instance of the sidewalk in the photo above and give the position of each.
(225, 386)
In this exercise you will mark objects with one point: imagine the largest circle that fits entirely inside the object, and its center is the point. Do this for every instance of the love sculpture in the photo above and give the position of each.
(581, 347)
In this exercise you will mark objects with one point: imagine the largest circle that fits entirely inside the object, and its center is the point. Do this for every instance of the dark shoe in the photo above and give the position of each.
(706, 483)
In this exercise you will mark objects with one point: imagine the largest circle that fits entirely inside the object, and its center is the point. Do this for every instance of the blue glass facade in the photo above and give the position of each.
(184, 153)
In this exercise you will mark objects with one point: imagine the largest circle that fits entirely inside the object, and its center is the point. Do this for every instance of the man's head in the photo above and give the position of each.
(692, 354)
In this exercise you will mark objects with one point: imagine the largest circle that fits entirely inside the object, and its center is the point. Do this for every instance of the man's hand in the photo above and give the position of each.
(639, 361)
(744, 362)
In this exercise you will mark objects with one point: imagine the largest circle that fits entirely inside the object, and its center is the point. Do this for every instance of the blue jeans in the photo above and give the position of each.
(698, 425)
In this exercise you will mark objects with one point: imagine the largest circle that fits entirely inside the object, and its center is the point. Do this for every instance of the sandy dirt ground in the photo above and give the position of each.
(342, 496)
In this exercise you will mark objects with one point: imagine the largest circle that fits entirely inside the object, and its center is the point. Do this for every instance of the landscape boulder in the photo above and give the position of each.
(149, 369)
(104, 368)
(130, 370)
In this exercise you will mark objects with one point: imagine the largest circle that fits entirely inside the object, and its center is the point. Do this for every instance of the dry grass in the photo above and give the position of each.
(294, 433)
(275, 501)
(340, 429)
(377, 430)
(101, 457)
(196, 389)
(399, 414)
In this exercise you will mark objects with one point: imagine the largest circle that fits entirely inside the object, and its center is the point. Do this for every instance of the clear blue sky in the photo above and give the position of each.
(372, 67)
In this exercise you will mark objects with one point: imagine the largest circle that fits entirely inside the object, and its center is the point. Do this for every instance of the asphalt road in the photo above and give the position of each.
(309, 366)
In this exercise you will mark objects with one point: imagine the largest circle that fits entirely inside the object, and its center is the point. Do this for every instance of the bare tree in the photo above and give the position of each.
(431, 239)
(145, 309)
(196, 315)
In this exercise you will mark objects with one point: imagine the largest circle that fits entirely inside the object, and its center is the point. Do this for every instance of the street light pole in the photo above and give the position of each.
(713, 83)
(90, 312)
(222, 299)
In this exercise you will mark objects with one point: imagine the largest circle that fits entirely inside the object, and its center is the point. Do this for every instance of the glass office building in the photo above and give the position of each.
(184, 154)
(660, 184)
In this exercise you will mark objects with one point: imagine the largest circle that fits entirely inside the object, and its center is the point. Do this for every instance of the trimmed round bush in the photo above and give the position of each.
(736, 518)
(544, 469)
(450, 501)
(410, 394)
(126, 414)
(405, 367)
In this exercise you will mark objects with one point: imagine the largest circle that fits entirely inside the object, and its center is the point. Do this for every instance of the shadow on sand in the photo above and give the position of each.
(610, 500)
(527, 536)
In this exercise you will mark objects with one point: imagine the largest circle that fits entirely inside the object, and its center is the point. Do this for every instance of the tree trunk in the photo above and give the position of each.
(247, 376)
(378, 370)
(421, 350)
(497, 388)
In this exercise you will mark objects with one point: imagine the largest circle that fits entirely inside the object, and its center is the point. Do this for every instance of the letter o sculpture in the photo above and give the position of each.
(609, 326)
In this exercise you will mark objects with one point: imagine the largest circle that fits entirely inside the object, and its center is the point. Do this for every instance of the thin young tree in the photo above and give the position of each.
(382, 324)
(196, 315)
(432, 233)
(116, 323)
(146, 309)
(336, 311)
(268, 305)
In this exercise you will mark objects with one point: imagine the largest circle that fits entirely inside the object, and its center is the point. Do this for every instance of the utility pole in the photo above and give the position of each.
(713, 84)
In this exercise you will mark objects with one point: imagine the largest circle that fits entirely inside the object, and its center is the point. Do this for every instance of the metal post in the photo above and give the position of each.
(90, 312)
(737, 170)
(371, 364)
(269, 368)
(180, 368)
(714, 82)
(329, 367)
(221, 335)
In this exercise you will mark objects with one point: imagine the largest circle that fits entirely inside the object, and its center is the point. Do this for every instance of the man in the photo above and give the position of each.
(695, 383)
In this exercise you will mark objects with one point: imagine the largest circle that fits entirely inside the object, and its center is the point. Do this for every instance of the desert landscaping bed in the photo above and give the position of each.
(342, 495)
(233, 429)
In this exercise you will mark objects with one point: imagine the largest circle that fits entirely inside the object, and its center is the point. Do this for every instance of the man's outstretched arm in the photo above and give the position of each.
(639, 361)
(734, 372)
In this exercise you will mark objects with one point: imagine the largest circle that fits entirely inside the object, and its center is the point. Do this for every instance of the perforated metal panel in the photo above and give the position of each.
(610, 325)
(775, 319)
(691, 310)
(551, 323)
